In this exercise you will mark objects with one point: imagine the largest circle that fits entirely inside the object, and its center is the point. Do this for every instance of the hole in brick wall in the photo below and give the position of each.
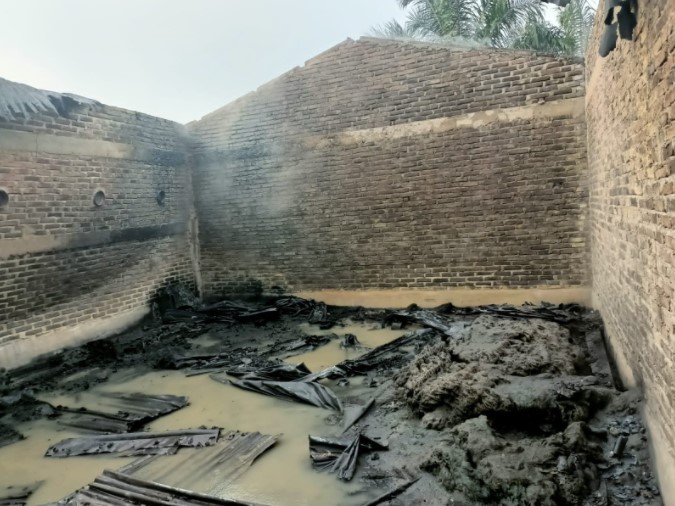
(161, 197)
(4, 198)
(99, 198)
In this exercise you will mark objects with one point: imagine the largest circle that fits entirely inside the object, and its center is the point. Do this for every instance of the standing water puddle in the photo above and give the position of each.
(369, 335)
(281, 476)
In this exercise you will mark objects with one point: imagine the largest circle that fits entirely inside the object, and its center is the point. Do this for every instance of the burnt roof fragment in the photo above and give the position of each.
(621, 17)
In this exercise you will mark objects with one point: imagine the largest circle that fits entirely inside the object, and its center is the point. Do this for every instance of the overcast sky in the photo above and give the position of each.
(177, 59)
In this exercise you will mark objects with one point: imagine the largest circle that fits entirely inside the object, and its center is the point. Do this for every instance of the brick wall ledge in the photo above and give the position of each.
(570, 108)
(18, 141)
(398, 298)
(20, 352)
(44, 243)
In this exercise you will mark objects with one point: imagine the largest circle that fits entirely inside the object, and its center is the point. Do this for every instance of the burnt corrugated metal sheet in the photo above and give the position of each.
(21, 100)
(135, 443)
(117, 489)
(228, 459)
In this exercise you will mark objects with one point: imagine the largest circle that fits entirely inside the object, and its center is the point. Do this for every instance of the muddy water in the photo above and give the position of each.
(282, 476)
(369, 335)
(23, 463)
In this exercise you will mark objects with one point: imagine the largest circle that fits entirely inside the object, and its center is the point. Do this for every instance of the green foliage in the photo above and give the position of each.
(517, 24)
(576, 22)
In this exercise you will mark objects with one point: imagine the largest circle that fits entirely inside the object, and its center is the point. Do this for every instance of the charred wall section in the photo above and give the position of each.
(65, 262)
(382, 164)
(631, 145)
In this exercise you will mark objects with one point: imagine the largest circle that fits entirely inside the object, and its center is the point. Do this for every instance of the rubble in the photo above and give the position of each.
(487, 405)
(136, 410)
(226, 460)
(18, 495)
(278, 372)
(295, 391)
(428, 319)
(116, 489)
(135, 443)
(384, 355)
(516, 403)
(340, 455)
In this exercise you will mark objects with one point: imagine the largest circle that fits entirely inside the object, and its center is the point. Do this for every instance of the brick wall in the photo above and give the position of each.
(631, 148)
(382, 164)
(64, 262)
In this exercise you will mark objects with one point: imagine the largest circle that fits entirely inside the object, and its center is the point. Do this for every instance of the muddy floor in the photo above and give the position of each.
(492, 405)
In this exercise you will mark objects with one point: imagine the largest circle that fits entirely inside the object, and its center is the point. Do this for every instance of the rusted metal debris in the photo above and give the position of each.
(295, 391)
(225, 461)
(117, 489)
(222, 312)
(18, 496)
(135, 410)
(135, 443)
(278, 372)
(559, 313)
(380, 355)
(294, 305)
(430, 319)
(284, 372)
(318, 313)
(232, 359)
(340, 455)
(200, 361)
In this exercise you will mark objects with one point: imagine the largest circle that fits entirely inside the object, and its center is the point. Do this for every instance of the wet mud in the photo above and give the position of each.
(491, 405)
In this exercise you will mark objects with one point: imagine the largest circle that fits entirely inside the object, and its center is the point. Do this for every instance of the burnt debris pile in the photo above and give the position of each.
(524, 416)
(483, 405)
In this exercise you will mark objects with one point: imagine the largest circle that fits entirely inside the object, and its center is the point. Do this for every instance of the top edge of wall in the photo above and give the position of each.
(21, 100)
(447, 46)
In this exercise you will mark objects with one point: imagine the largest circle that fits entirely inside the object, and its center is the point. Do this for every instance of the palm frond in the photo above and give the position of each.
(502, 20)
(440, 18)
(576, 22)
(499, 23)
(393, 30)
(540, 36)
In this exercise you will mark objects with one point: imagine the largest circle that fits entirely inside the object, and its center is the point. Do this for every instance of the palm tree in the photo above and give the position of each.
(501, 21)
(542, 37)
(497, 23)
(440, 18)
(394, 30)
(576, 23)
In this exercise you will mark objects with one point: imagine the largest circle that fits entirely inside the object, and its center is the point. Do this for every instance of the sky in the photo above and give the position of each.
(177, 59)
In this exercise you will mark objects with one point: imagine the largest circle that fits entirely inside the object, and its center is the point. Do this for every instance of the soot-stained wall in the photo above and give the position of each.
(66, 263)
(382, 164)
(631, 152)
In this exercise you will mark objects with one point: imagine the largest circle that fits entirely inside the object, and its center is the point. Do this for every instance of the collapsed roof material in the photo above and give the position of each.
(17, 100)
(225, 461)
(117, 489)
(135, 443)
(135, 410)
(296, 391)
